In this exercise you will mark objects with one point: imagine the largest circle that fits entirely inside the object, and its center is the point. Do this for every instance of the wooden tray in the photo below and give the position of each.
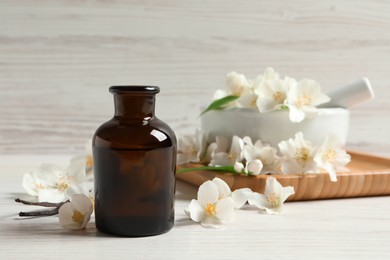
(369, 176)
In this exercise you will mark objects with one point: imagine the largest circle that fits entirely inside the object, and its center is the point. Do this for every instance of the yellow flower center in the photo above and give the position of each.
(89, 161)
(302, 155)
(232, 156)
(303, 100)
(62, 186)
(273, 199)
(78, 217)
(329, 156)
(254, 102)
(39, 186)
(278, 96)
(237, 90)
(92, 200)
(210, 209)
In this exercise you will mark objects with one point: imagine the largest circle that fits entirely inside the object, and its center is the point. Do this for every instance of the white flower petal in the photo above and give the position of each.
(272, 186)
(236, 83)
(290, 166)
(254, 167)
(31, 183)
(77, 213)
(195, 211)
(220, 159)
(50, 173)
(212, 222)
(65, 214)
(51, 195)
(296, 115)
(330, 157)
(241, 196)
(286, 192)
(238, 167)
(82, 188)
(273, 211)
(247, 140)
(236, 148)
(223, 188)
(342, 158)
(247, 100)
(250, 152)
(258, 200)
(319, 99)
(266, 105)
(207, 193)
(82, 203)
(225, 209)
(76, 171)
(287, 148)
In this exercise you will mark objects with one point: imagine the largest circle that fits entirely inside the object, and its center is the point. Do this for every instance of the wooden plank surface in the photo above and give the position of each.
(367, 175)
(327, 229)
(57, 59)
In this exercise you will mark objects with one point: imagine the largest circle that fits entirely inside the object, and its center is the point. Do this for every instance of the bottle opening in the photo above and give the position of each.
(134, 89)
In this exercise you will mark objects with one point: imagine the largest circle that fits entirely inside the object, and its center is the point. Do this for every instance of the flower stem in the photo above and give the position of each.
(40, 213)
(229, 169)
(43, 204)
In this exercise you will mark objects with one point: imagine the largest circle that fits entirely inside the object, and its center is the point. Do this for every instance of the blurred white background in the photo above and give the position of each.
(58, 58)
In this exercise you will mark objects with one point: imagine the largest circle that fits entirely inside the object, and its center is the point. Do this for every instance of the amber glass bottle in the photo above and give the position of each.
(134, 157)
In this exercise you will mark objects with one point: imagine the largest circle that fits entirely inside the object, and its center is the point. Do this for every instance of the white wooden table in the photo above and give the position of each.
(337, 229)
(58, 58)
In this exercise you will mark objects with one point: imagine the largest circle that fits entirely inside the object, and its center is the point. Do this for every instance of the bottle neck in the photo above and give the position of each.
(134, 105)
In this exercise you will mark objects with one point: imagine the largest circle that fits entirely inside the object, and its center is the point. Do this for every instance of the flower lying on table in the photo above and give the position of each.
(76, 213)
(66, 191)
(51, 183)
(216, 204)
(274, 196)
(297, 156)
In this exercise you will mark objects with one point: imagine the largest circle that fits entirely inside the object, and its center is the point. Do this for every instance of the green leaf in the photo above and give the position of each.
(210, 168)
(219, 103)
(284, 107)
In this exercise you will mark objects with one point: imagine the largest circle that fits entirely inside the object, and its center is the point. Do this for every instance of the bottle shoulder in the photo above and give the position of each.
(134, 134)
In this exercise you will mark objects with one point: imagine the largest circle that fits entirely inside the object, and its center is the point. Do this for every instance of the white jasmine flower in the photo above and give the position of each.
(271, 90)
(258, 144)
(238, 85)
(303, 98)
(298, 155)
(208, 209)
(33, 182)
(239, 196)
(253, 167)
(239, 167)
(331, 158)
(250, 168)
(191, 148)
(266, 154)
(51, 183)
(87, 156)
(273, 198)
(76, 213)
(223, 156)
